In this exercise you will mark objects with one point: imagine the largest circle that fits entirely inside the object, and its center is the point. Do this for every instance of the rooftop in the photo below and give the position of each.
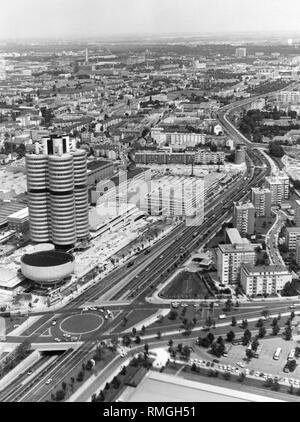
(93, 165)
(264, 268)
(237, 247)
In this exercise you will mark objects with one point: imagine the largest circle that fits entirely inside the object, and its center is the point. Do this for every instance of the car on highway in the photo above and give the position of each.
(54, 322)
(161, 256)
(57, 339)
(292, 306)
(30, 372)
(175, 304)
(48, 381)
(147, 269)
(93, 309)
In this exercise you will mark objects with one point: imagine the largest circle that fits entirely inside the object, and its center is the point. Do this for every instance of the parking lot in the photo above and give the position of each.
(264, 363)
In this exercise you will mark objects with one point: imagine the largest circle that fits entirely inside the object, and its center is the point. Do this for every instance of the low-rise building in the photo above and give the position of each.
(269, 279)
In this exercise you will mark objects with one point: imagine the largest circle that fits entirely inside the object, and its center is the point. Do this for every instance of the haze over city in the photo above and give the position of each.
(93, 18)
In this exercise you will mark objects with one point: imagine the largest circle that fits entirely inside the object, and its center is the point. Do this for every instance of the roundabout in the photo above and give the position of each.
(81, 324)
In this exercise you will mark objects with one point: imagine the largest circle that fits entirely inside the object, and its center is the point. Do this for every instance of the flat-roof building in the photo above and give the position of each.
(263, 279)
(261, 199)
(230, 258)
(292, 236)
(244, 218)
(279, 187)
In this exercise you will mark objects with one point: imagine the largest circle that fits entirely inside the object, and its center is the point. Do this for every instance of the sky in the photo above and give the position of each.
(91, 18)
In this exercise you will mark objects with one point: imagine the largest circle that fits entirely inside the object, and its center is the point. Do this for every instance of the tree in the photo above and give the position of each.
(126, 341)
(64, 386)
(228, 305)
(288, 333)
(246, 337)
(292, 315)
(241, 377)
(133, 331)
(210, 337)
(275, 386)
(116, 383)
(80, 376)
(274, 322)
(260, 323)
(186, 352)
(262, 332)
(249, 353)
(123, 371)
(60, 395)
(291, 365)
(230, 336)
(146, 348)
(138, 340)
(158, 335)
(265, 313)
(244, 323)
(233, 321)
(275, 330)
(254, 345)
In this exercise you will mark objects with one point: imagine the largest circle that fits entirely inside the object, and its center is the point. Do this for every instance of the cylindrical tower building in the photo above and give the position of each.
(37, 187)
(57, 192)
(81, 194)
(62, 203)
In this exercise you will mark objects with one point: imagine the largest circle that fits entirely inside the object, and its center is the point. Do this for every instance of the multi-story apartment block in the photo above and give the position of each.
(292, 235)
(264, 279)
(291, 97)
(297, 213)
(179, 196)
(298, 252)
(244, 218)
(261, 199)
(230, 258)
(241, 52)
(279, 187)
(204, 157)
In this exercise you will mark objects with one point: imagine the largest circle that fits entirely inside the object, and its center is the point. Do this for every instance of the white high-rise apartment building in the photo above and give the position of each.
(244, 218)
(230, 258)
(261, 199)
(279, 187)
(180, 196)
(2, 69)
(292, 97)
(241, 52)
(57, 192)
(297, 213)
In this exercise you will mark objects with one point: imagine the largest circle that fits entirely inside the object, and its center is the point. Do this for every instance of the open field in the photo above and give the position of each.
(187, 285)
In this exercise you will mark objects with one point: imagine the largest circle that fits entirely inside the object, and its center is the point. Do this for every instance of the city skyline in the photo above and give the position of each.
(31, 19)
